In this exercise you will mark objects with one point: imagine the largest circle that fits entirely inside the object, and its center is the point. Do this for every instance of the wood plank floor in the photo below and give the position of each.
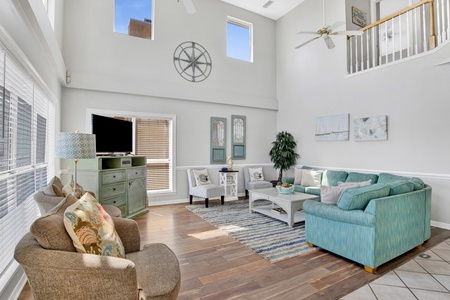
(216, 266)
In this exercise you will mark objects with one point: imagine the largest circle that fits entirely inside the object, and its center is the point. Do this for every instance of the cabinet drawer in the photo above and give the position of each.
(113, 176)
(116, 201)
(113, 189)
(136, 173)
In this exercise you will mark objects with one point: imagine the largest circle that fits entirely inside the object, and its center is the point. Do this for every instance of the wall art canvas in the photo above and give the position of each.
(371, 129)
(332, 128)
(359, 17)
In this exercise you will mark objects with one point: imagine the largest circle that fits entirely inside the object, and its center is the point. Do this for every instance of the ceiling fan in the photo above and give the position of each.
(189, 6)
(327, 31)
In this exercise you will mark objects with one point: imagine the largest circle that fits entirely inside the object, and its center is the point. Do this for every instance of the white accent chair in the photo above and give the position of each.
(204, 191)
(253, 185)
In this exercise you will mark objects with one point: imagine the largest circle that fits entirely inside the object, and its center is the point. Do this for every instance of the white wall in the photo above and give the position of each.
(414, 95)
(118, 72)
(100, 59)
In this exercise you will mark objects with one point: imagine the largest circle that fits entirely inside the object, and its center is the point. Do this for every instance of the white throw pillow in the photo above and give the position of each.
(331, 194)
(256, 174)
(311, 177)
(201, 177)
(298, 176)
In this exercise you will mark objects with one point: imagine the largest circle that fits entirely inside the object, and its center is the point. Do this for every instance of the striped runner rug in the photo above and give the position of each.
(270, 238)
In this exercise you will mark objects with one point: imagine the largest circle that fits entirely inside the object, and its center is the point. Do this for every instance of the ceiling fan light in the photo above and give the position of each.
(268, 3)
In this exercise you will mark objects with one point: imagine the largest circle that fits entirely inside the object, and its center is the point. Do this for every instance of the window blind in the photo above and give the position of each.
(153, 141)
(27, 130)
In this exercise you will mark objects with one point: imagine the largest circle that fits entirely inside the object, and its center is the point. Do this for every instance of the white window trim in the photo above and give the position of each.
(134, 114)
(245, 24)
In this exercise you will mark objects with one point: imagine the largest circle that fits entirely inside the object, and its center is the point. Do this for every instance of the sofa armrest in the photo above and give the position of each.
(128, 232)
(332, 212)
(85, 275)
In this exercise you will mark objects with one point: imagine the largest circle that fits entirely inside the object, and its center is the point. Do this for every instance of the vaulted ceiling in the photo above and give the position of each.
(273, 9)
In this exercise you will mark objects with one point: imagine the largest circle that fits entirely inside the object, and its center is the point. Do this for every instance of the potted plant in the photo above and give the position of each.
(283, 153)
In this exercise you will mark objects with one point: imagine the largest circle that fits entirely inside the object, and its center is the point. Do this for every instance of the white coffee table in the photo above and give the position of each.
(291, 203)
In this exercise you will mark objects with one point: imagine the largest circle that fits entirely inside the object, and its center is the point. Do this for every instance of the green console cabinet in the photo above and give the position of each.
(116, 180)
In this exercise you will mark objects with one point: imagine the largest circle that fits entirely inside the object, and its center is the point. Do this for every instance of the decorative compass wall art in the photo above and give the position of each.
(192, 61)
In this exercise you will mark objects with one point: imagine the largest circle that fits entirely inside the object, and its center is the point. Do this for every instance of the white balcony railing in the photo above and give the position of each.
(407, 33)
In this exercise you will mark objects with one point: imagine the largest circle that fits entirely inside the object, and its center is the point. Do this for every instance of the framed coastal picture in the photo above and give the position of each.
(333, 128)
(359, 17)
(371, 129)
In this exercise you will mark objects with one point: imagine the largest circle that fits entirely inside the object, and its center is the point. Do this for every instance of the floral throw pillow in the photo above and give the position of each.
(201, 177)
(92, 229)
(256, 174)
(68, 188)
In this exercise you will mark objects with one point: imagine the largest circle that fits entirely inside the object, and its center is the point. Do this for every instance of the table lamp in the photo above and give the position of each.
(75, 145)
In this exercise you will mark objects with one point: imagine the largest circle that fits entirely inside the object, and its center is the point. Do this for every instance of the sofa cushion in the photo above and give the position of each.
(92, 229)
(331, 177)
(49, 230)
(299, 188)
(201, 177)
(358, 198)
(357, 177)
(388, 177)
(355, 184)
(311, 177)
(418, 183)
(400, 187)
(312, 190)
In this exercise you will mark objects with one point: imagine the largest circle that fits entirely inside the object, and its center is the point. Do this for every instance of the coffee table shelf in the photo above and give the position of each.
(291, 203)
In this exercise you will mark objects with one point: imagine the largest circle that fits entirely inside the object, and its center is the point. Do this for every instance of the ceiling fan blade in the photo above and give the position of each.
(336, 25)
(307, 32)
(305, 43)
(189, 6)
(329, 42)
(349, 32)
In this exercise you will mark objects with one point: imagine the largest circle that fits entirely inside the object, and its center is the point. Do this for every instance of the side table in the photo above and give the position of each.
(229, 180)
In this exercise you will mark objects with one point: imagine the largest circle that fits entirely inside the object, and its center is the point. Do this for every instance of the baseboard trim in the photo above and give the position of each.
(440, 225)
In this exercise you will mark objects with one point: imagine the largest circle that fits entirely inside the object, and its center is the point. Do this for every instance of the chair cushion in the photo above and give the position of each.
(92, 229)
(49, 230)
(256, 174)
(201, 177)
(158, 272)
(358, 198)
(254, 185)
(208, 191)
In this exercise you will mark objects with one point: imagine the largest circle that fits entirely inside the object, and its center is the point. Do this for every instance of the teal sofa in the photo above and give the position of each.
(370, 225)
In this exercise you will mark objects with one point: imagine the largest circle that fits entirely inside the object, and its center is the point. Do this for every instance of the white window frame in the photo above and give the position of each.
(132, 114)
(245, 24)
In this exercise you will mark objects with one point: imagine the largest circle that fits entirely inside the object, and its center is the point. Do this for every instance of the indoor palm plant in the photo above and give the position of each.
(283, 153)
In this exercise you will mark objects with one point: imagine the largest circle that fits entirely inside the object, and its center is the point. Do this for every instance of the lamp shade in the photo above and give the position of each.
(75, 145)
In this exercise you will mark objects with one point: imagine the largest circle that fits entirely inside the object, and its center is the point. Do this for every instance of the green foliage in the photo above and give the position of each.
(283, 153)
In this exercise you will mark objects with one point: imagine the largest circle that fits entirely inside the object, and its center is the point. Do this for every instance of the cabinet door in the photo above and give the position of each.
(137, 195)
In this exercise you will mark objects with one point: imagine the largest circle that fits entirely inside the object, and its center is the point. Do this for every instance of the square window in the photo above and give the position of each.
(134, 18)
(239, 39)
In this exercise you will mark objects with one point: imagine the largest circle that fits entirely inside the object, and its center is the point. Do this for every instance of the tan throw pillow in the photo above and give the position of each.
(298, 176)
(201, 177)
(311, 177)
(49, 230)
(355, 184)
(92, 229)
(256, 174)
(54, 188)
(331, 194)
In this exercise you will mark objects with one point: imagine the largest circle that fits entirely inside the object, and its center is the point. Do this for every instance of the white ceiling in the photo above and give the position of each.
(276, 10)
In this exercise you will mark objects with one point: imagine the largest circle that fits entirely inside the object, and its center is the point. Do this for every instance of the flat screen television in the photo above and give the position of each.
(112, 136)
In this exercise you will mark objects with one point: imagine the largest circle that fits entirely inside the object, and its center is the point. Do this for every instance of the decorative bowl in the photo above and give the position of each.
(285, 190)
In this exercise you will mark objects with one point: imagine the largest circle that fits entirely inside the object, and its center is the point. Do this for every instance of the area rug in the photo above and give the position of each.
(270, 238)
